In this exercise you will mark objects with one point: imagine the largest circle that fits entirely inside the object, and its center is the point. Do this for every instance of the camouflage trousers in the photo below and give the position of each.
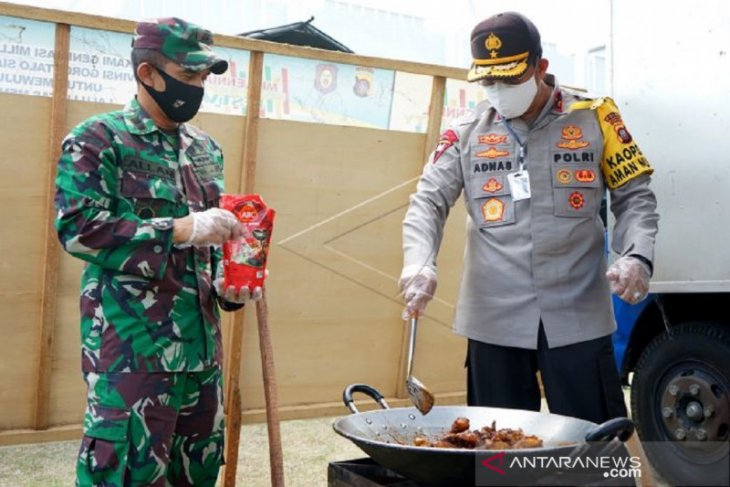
(152, 429)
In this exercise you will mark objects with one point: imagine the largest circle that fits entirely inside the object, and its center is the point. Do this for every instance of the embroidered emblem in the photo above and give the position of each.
(493, 153)
(492, 186)
(571, 132)
(585, 176)
(564, 176)
(493, 210)
(572, 135)
(492, 139)
(558, 103)
(576, 200)
(448, 139)
(493, 44)
(618, 125)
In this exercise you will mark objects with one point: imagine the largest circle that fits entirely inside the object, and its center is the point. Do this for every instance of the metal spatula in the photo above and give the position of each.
(420, 396)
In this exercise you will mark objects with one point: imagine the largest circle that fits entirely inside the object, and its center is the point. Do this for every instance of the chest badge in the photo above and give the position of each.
(564, 176)
(576, 200)
(493, 153)
(572, 136)
(585, 176)
(492, 186)
(493, 210)
(492, 139)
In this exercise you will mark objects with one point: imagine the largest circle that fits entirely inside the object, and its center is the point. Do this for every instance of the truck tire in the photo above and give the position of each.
(680, 402)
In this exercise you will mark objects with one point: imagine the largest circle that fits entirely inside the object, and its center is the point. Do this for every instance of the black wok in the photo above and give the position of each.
(387, 436)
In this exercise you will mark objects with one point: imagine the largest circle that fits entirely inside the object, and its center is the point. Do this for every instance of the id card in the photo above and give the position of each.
(519, 185)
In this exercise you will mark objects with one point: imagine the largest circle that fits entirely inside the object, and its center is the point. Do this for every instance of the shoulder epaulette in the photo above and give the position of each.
(588, 103)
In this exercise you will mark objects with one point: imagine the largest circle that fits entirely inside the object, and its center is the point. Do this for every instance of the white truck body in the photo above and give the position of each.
(669, 69)
(670, 74)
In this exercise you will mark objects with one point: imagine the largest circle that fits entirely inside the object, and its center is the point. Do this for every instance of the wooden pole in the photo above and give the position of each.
(433, 130)
(248, 175)
(435, 114)
(51, 252)
(636, 449)
(276, 457)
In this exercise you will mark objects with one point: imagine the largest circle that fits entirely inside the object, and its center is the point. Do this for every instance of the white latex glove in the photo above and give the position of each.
(417, 285)
(213, 227)
(243, 296)
(229, 294)
(629, 279)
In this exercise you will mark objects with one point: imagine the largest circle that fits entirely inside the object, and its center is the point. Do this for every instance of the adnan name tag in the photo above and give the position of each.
(519, 185)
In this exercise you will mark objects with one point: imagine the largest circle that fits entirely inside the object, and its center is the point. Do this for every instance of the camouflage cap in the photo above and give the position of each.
(183, 43)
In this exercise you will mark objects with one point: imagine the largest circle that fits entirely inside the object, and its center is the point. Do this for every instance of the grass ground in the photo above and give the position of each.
(309, 446)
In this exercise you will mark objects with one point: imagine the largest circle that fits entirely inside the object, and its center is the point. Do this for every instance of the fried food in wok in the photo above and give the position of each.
(487, 438)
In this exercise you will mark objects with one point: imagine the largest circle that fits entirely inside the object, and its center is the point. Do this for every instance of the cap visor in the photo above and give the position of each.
(219, 66)
(497, 71)
(214, 63)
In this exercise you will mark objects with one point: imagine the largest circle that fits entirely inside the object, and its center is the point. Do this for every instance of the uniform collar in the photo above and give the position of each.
(139, 123)
(554, 102)
(556, 97)
(137, 120)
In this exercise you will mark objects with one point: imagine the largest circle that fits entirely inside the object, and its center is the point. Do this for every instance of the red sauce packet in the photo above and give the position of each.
(244, 259)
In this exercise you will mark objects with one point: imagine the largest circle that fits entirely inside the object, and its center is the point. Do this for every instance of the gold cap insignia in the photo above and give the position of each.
(493, 44)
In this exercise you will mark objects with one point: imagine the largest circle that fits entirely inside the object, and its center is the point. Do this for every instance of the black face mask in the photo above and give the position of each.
(180, 101)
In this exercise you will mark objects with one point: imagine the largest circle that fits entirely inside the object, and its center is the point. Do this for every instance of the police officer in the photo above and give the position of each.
(534, 162)
(136, 198)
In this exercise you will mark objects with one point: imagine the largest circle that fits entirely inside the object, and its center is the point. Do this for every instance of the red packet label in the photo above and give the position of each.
(244, 259)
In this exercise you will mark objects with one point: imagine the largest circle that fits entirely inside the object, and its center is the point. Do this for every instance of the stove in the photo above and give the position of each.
(364, 472)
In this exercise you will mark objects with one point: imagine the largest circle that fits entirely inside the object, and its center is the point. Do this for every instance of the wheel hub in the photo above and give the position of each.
(694, 406)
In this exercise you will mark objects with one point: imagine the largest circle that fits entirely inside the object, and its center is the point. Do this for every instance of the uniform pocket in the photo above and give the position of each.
(148, 196)
(577, 190)
(212, 192)
(491, 201)
(104, 447)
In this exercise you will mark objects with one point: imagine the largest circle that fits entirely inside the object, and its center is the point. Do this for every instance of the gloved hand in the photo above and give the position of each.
(417, 285)
(629, 279)
(243, 296)
(210, 227)
(229, 294)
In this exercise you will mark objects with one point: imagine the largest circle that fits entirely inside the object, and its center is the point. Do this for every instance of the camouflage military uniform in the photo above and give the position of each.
(150, 331)
(146, 306)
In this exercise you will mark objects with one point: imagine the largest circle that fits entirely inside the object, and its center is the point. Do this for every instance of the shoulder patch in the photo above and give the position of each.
(448, 139)
(622, 159)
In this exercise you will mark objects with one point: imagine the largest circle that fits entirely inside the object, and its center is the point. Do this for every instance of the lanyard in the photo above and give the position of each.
(523, 147)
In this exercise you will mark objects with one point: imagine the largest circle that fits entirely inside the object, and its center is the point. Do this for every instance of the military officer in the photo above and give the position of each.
(534, 162)
(136, 197)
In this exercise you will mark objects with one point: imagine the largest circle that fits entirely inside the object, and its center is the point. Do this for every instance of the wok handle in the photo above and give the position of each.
(365, 389)
(621, 428)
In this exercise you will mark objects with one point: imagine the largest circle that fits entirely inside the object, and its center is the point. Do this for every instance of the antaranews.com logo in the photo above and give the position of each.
(514, 468)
